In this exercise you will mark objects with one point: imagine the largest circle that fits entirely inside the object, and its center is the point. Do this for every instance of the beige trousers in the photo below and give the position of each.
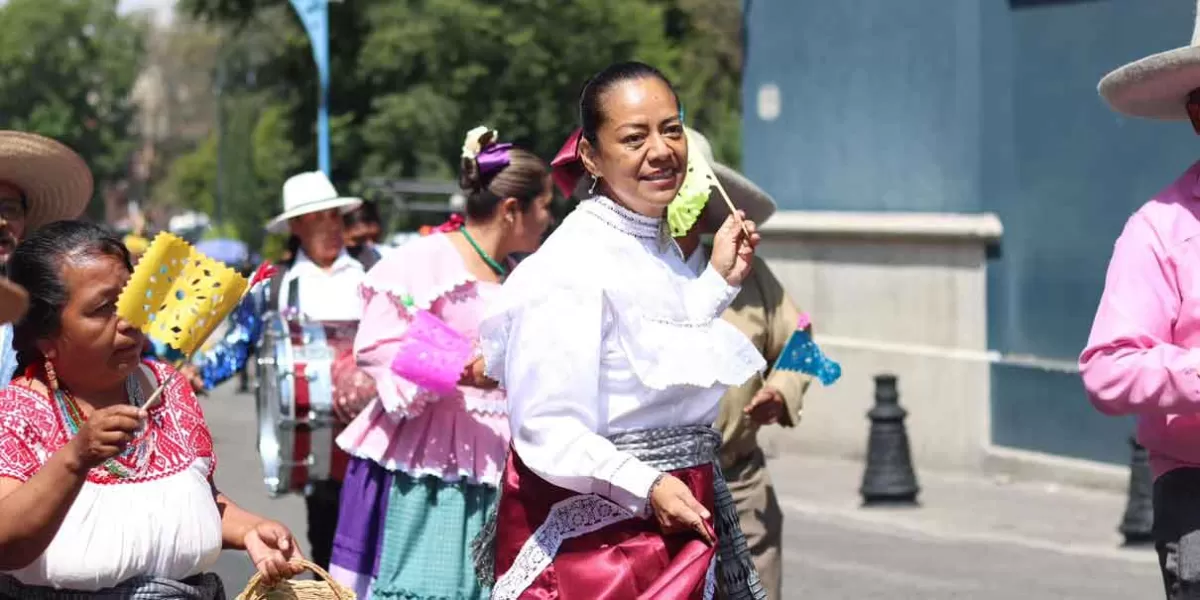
(761, 518)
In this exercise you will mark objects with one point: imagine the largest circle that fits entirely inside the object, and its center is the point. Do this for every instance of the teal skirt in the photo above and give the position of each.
(427, 534)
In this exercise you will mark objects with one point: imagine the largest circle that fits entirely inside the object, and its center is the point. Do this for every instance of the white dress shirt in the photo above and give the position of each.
(604, 330)
(325, 295)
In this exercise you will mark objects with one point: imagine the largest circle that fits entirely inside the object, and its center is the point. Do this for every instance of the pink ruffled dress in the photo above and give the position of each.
(424, 466)
(408, 429)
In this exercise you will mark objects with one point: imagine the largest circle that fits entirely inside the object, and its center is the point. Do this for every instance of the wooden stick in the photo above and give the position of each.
(732, 209)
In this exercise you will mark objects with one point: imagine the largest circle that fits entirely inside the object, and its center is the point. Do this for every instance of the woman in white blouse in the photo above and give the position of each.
(614, 359)
(103, 495)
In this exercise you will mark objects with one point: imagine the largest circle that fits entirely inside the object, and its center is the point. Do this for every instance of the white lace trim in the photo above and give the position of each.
(425, 300)
(622, 219)
(570, 518)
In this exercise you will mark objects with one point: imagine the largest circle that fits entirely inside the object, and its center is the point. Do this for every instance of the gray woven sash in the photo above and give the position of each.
(670, 449)
(206, 586)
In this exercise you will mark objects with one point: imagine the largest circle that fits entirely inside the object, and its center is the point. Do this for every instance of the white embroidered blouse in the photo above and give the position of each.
(605, 330)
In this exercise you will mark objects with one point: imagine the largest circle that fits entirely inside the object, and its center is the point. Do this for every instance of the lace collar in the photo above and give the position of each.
(624, 220)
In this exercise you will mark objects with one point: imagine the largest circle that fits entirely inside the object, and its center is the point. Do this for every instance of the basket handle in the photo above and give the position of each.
(256, 580)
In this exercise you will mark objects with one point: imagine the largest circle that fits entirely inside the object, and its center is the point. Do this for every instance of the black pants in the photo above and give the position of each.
(1177, 532)
(323, 505)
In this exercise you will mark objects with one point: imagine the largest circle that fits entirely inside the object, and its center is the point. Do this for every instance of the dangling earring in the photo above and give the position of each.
(51, 376)
(595, 180)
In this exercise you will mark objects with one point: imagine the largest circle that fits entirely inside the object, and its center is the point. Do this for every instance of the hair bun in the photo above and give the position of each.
(476, 141)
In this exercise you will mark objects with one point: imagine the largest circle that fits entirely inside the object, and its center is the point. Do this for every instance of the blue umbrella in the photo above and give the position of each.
(230, 252)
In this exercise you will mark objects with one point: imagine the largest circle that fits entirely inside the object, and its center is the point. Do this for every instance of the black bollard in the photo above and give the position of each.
(889, 478)
(1138, 523)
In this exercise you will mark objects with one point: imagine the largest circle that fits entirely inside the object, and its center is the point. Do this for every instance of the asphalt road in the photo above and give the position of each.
(831, 551)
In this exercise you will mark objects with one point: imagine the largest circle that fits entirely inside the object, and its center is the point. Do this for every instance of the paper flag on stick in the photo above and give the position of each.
(693, 195)
(177, 295)
(802, 354)
(432, 354)
(698, 182)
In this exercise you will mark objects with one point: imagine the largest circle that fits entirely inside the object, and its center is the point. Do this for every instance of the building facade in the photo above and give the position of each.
(951, 186)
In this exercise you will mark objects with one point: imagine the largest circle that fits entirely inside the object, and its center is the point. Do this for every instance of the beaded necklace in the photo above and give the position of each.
(74, 418)
(496, 267)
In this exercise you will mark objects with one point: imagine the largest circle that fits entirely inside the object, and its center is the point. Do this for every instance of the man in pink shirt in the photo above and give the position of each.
(1144, 350)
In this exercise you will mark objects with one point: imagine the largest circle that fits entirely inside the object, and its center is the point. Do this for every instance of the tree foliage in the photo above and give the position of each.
(410, 77)
(69, 68)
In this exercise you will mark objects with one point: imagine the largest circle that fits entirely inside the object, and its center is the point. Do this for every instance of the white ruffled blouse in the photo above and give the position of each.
(605, 330)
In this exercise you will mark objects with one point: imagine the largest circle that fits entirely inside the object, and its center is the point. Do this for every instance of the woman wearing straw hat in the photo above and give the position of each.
(1144, 349)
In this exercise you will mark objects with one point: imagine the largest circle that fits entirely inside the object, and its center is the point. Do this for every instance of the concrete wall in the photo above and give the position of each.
(900, 294)
(972, 107)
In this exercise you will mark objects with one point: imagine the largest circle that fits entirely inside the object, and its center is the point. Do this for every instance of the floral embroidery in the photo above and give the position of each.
(31, 430)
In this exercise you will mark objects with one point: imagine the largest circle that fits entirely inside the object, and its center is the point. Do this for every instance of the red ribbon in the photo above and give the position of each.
(455, 223)
(566, 168)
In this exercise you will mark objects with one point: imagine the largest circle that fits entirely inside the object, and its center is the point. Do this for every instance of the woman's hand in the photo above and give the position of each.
(271, 548)
(105, 434)
(766, 407)
(473, 375)
(352, 393)
(733, 249)
(676, 509)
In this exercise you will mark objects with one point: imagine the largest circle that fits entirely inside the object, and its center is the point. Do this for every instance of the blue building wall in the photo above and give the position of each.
(978, 106)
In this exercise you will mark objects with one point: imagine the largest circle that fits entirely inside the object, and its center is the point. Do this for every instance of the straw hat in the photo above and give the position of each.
(1156, 87)
(309, 193)
(13, 301)
(56, 182)
(745, 194)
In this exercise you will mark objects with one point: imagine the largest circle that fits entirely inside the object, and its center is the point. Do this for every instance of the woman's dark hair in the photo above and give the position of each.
(524, 178)
(368, 212)
(591, 117)
(36, 265)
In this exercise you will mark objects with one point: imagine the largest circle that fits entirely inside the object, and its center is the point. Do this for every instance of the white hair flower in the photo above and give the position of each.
(473, 144)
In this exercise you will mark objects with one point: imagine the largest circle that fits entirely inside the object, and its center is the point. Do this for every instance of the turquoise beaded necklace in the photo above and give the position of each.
(74, 419)
(491, 262)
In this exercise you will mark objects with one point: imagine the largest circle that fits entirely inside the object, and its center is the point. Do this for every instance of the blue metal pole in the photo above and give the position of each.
(315, 16)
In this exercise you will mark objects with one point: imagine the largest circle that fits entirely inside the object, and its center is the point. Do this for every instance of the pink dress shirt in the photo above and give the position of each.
(1144, 349)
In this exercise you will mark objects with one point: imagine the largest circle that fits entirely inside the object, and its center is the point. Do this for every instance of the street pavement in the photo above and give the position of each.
(971, 537)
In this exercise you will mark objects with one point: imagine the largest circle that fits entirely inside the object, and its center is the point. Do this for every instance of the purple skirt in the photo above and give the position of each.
(358, 541)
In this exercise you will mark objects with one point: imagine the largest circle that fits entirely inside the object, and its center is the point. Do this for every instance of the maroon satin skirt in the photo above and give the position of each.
(625, 560)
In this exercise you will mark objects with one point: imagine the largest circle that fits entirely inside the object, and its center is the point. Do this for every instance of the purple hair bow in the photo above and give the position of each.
(493, 158)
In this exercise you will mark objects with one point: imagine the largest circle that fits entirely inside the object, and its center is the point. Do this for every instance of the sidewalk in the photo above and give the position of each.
(962, 508)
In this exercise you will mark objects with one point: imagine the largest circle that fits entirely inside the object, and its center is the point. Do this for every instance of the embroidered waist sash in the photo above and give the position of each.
(580, 521)
(206, 586)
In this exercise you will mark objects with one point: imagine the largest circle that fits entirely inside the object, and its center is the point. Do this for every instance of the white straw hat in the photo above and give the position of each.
(1156, 87)
(745, 194)
(57, 184)
(306, 193)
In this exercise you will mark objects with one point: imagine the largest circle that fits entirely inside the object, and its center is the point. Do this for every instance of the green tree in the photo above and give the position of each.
(69, 68)
(409, 77)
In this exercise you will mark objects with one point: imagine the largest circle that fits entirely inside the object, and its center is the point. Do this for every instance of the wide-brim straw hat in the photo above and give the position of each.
(1156, 87)
(307, 193)
(745, 194)
(55, 180)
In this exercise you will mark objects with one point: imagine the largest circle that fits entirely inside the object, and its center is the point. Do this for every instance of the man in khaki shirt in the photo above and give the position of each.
(767, 316)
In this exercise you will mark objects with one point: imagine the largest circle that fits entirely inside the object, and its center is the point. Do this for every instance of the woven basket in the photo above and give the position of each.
(324, 588)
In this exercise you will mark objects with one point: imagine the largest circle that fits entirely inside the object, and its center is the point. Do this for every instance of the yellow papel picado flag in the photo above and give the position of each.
(177, 295)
